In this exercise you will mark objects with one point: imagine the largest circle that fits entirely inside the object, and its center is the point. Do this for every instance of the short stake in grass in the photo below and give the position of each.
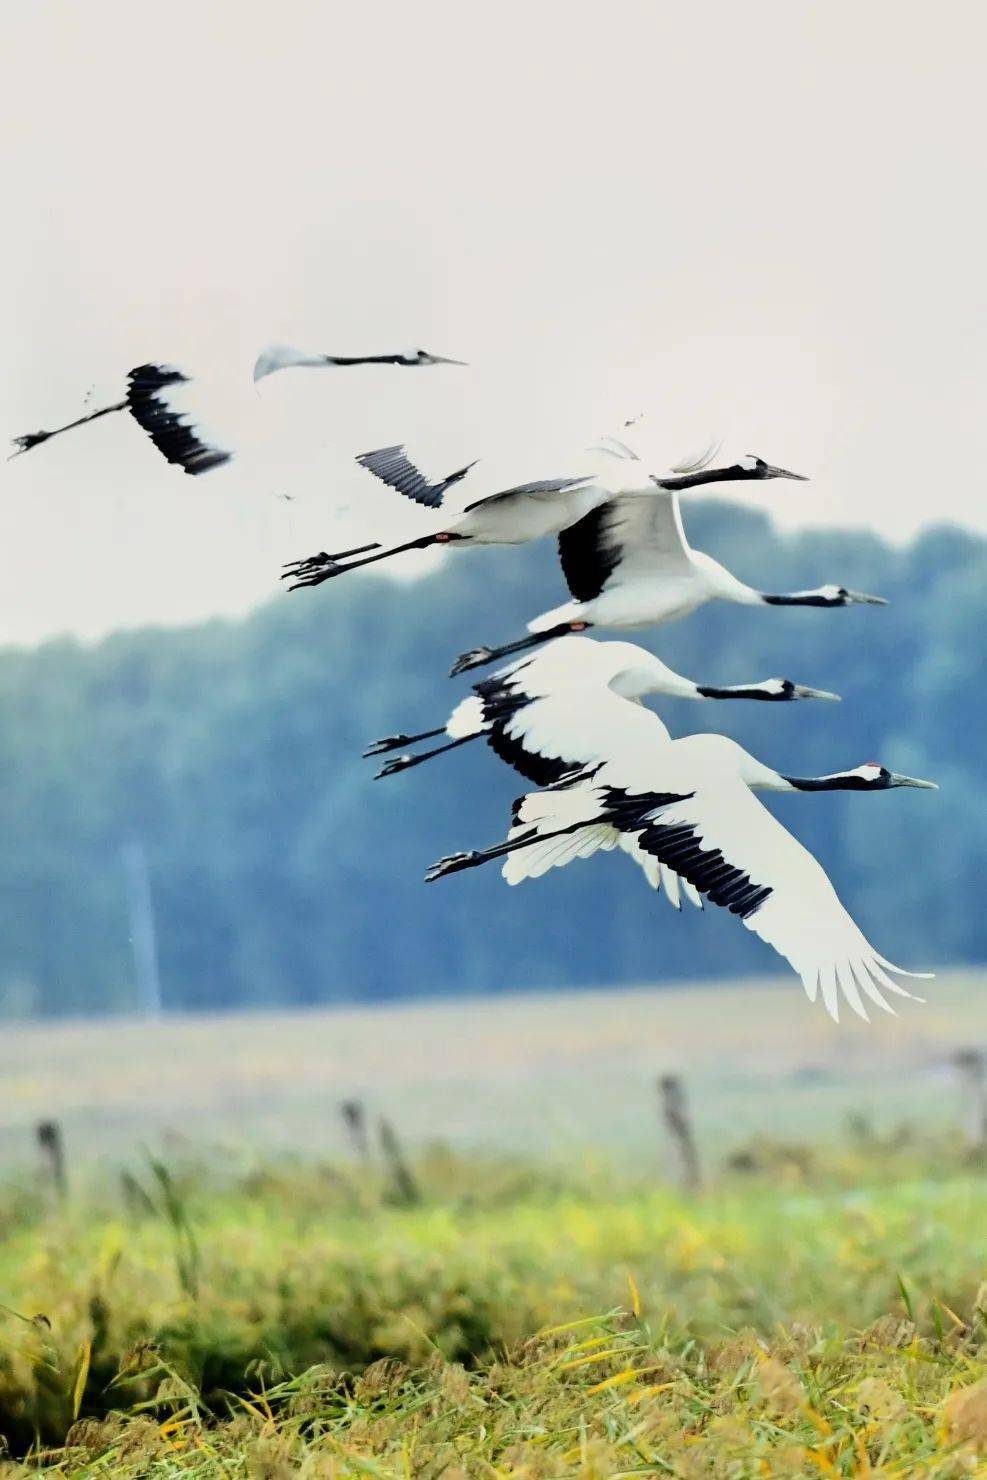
(49, 1134)
(404, 1188)
(675, 1111)
(971, 1064)
(355, 1121)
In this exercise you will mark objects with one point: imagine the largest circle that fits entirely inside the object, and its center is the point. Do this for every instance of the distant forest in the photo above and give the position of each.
(281, 873)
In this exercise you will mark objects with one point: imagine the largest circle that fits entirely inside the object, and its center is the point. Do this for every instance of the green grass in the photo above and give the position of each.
(822, 1313)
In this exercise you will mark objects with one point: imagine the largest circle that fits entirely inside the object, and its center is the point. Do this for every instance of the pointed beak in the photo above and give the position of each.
(442, 360)
(868, 600)
(897, 780)
(771, 472)
(802, 691)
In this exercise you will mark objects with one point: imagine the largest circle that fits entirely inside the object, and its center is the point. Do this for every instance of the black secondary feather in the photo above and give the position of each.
(393, 467)
(587, 556)
(169, 430)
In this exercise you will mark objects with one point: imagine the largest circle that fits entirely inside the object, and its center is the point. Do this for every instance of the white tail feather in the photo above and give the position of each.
(466, 719)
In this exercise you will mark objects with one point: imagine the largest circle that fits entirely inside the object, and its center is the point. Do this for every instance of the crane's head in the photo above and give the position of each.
(755, 467)
(423, 357)
(746, 469)
(871, 776)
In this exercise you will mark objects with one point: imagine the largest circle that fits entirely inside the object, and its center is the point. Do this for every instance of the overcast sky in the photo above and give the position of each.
(763, 222)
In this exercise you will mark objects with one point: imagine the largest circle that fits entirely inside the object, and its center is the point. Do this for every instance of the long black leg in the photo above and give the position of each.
(319, 568)
(396, 742)
(405, 762)
(479, 657)
(27, 440)
(456, 861)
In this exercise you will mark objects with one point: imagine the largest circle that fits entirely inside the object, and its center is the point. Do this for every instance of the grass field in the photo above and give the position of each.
(239, 1299)
(824, 1316)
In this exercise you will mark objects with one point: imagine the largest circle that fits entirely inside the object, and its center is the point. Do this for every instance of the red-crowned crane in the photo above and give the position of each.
(688, 805)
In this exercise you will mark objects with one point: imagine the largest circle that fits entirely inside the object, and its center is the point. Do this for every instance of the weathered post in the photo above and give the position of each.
(971, 1064)
(49, 1134)
(675, 1111)
(355, 1121)
(405, 1188)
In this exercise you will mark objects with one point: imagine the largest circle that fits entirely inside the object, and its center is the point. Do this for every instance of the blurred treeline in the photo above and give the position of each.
(282, 873)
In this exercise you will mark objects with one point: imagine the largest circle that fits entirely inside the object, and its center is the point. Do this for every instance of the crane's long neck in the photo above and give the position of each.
(704, 475)
(357, 360)
(838, 781)
(821, 596)
(764, 691)
(762, 778)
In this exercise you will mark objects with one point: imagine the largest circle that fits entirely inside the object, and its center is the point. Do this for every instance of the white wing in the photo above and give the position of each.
(562, 661)
(734, 851)
(547, 738)
(633, 537)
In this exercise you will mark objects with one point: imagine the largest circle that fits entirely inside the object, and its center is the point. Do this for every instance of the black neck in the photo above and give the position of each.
(706, 475)
(367, 359)
(829, 783)
(795, 598)
(738, 691)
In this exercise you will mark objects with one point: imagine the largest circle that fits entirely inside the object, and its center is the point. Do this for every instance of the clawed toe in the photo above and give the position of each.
(475, 658)
(449, 865)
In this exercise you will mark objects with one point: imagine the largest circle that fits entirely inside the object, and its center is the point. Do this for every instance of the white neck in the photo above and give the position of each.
(722, 583)
(653, 677)
(760, 777)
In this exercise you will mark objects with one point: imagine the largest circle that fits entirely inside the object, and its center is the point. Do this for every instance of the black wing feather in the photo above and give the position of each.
(587, 556)
(676, 844)
(171, 433)
(393, 467)
(501, 702)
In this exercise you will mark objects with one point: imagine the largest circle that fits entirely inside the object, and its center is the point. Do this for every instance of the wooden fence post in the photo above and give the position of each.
(355, 1121)
(972, 1066)
(675, 1111)
(405, 1187)
(49, 1134)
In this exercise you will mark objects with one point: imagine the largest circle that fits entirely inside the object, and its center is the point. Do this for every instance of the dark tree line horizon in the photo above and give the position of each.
(282, 874)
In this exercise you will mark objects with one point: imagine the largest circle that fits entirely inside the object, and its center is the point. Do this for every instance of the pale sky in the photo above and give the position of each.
(761, 222)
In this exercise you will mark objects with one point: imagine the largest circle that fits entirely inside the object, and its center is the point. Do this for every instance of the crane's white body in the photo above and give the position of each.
(622, 667)
(517, 518)
(649, 601)
(658, 577)
(509, 518)
(628, 564)
(558, 719)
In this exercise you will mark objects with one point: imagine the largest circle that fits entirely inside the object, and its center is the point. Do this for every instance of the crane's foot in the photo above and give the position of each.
(26, 441)
(452, 864)
(399, 763)
(311, 572)
(475, 658)
(390, 742)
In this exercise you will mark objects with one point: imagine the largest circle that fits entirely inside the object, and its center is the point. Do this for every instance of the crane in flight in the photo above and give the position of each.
(688, 805)
(528, 717)
(518, 711)
(173, 406)
(526, 511)
(628, 563)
